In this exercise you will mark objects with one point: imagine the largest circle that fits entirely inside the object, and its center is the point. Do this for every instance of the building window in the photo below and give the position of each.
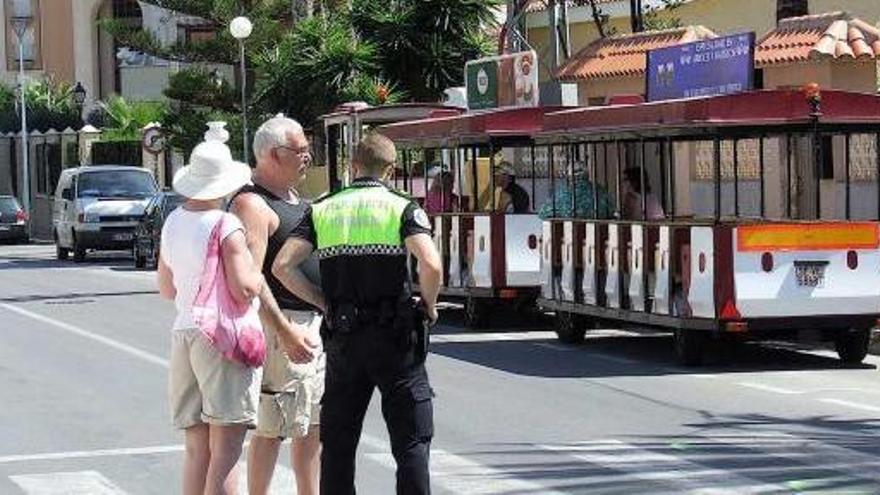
(124, 9)
(30, 39)
(199, 34)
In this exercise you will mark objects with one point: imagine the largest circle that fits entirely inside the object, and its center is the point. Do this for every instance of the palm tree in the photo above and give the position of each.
(425, 43)
(791, 8)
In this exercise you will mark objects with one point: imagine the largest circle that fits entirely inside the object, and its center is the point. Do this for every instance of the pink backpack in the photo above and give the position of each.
(233, 329)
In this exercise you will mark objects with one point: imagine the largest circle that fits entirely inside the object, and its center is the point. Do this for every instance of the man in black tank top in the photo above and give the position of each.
(293, 375)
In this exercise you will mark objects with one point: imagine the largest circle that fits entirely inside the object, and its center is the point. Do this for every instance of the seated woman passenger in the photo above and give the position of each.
(559, 205)
(631, 190)
(440, 198)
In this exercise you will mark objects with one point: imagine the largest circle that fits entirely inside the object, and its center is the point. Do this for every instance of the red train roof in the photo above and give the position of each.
(771, 107)
(474, 126)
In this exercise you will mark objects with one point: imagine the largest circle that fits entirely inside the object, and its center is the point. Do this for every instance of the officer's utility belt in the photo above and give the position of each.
(404, 320)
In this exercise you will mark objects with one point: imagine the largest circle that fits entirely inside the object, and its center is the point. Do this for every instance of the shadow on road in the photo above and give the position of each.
(749, 453)
(120, 261)
(74, 297)
(640, 355)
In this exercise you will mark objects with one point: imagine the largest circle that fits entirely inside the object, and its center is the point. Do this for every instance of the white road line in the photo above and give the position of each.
(854, 405)
(635, 463)
(467, 338)
(120, 346)
(283, 480)
(88, 454)
(67, 483)
(769, 388)
(556, 347)
(612, 359)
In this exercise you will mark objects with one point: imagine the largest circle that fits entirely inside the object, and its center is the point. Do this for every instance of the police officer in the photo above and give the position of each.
(377, 334)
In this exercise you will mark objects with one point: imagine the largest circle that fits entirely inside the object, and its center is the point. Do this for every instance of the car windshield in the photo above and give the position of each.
(116, 184)
(172, 201)
(8, 206)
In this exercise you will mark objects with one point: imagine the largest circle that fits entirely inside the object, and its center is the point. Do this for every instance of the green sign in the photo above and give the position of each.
(509, 80)
(482, 84)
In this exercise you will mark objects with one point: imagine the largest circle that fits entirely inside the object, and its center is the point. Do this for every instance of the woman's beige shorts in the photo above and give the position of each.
(204, 387)
(290, 402)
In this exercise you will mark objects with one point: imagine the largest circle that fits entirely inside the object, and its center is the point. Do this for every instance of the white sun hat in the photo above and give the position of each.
(211, 173)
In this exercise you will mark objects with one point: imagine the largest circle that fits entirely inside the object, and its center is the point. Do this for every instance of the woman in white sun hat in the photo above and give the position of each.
(213, 399)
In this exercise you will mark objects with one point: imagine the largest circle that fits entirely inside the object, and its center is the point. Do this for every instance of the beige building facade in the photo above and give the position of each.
(721, 16)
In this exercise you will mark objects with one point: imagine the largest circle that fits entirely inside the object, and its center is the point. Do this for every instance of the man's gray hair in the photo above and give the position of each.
(273, 133)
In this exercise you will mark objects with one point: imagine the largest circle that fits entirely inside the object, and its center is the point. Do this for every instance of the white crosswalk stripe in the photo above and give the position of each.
(683, 467)
(632, 462)
(460, 475)
(66, 483)
(807, 452)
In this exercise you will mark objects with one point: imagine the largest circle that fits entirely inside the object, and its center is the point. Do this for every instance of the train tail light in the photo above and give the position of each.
(729, 311)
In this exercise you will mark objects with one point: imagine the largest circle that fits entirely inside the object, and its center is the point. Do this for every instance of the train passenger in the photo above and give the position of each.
(632, 197)
(583, 191)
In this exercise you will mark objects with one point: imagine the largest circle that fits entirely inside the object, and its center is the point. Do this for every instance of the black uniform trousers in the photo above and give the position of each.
(357, 362)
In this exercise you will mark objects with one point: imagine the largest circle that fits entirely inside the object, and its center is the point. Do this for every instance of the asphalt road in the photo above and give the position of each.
(83, 366)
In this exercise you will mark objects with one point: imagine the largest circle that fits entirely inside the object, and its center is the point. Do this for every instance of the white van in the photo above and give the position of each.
(98, 207)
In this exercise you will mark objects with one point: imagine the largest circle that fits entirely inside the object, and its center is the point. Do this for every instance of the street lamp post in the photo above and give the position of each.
(79, 96)
(241, 28)
(19, 25)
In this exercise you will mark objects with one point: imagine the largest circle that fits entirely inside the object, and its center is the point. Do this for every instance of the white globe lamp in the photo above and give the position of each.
(241, 28)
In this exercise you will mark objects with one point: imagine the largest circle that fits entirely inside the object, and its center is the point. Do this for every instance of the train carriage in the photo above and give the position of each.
(339, 132)
(489, 241)
(743, 216)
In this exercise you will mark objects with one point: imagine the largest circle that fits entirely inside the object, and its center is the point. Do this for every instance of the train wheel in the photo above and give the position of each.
(690, 346)
(852, 345)
(476, 312)
(570, 328)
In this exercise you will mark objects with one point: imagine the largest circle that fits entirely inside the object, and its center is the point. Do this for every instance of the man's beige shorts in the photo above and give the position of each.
(290, 401)
(204, 387)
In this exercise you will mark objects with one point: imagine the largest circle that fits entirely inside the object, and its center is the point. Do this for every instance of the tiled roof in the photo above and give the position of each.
(625, 55)
(835, 35)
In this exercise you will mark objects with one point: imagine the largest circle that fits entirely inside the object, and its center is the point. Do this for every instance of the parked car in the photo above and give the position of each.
(13, 220)
(98, 207)
(148, 233)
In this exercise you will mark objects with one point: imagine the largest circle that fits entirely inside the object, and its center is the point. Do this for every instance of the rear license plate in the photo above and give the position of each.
(810, 273)
(4, 228)
(123, 237)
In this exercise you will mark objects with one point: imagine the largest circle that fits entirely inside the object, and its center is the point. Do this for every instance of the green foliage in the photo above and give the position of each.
(373, 90)
(425, 43)
(201, 87)
(307, 72)
(50, 105)
(371, 50)
(124, 120)
(662, 16)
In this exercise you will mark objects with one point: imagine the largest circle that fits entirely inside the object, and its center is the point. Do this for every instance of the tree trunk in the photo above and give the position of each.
(636, 16)
(791, 8)
(597, 18)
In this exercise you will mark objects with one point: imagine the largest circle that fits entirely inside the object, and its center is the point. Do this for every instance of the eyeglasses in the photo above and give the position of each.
(305, 150)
